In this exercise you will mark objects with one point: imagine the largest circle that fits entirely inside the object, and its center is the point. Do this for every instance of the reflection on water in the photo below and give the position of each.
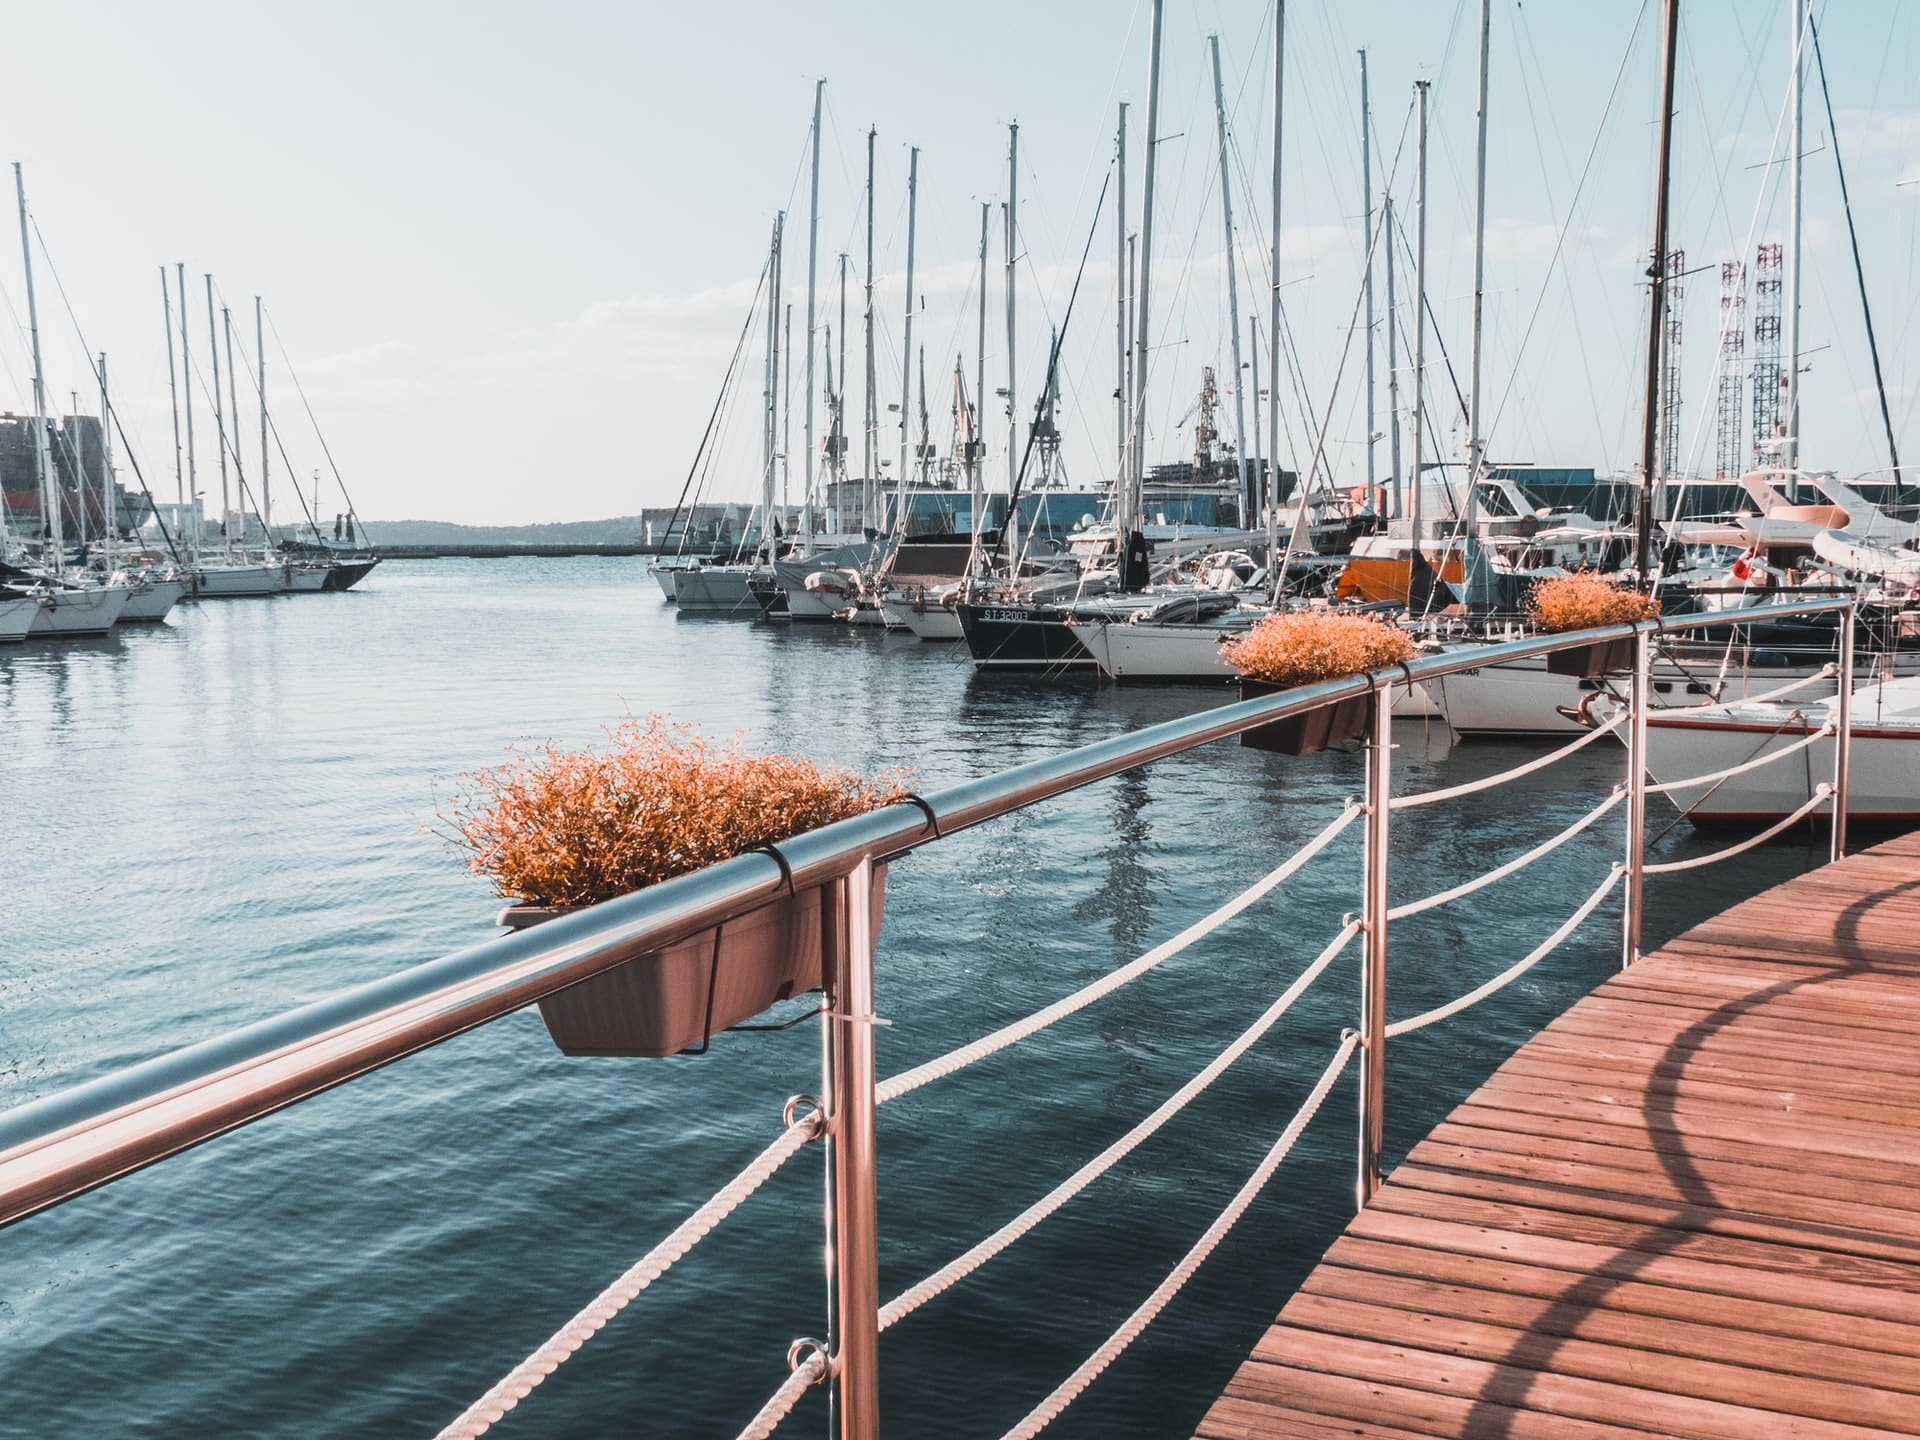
(225, 816)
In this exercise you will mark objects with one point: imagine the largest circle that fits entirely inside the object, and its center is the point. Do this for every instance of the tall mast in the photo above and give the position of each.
(219, 422)
(1790, 377)
(1013, 398)
(107, 507)
(52, 502)
(838, 468)
(260, 390)
(923, 448)
(1657, 278)
(1123, 389)
(1475, 440)
(773, 415)
(1274, 568)
(976, 445)
(870, 427)
(813, 251)
(1393, 363)
(1416, 472)
(786, 422)
(1366, 189)
(1127, 512)
(773, 375)
(233, 404)
(186, 385)
(1233, 266)
(906, 344)
(1253, 358)
(173, 399)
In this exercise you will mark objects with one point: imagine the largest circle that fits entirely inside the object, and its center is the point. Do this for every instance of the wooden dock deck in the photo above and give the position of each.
(1689, 1207)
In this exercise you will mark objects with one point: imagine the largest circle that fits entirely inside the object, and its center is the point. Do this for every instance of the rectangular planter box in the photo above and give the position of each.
(1315, 730)
(1592, 661)
(671, 1000)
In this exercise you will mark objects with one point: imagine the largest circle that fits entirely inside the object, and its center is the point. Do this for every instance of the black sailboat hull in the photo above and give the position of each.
(1022, 637)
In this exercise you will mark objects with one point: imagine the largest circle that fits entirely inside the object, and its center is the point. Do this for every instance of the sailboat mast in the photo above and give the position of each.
(922, 448)
(1253, 358)
(107, 507)
(260, 391)
(1128, 510)
(52, 502)
(1393, 361)
(1233, 283)
(173, 400)
(870, 427)
(1790, 377)
(233, 404)
(906, 344)
(773, 413)
(1366, 190)
(1475, 440)
(786, 423)
(1123, 389)
(773, 374)
(1416, 472)
(976, 444)
(186, 384)
(813, 256)
(1013, 398)
(1276, 574)
(1657, 278)
(219, 422)
(838, 467)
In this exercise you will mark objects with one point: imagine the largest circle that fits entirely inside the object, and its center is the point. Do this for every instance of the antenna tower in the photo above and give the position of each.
(1670, 379)
(1768, 269)
(1729, 453)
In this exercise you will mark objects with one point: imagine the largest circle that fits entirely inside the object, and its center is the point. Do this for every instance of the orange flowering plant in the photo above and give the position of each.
(1586, 599)
(1303, 647)
(575, 827)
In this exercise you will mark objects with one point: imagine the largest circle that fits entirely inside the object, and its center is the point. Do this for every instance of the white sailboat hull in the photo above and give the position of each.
(664, 579)
(1883, 779)
(1523, 698)
(805, 604)
(91, 611)
(238, 582)
(17, 617)
(150, 601)
(716, 590)
(306, 579)
(935, 622)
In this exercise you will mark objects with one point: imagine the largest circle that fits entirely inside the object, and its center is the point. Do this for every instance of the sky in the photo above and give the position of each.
(508, 251)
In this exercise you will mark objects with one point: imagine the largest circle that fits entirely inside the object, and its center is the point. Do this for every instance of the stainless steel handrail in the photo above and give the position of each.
(64, 1144)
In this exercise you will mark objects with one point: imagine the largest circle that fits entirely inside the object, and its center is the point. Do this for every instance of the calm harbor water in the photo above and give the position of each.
(227, 816)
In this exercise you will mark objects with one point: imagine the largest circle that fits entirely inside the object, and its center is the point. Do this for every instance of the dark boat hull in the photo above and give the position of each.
(345, 574)
(1022, 637)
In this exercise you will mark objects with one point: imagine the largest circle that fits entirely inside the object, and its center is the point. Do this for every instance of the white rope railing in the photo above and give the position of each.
(1821, 793)
(1519, 862)
(805, 1376)
(910, 1080)
(1027, 1220)
(1070, 1389)
(1471, 787)
(1714, 777)
(521, 1380)
(1512, 972)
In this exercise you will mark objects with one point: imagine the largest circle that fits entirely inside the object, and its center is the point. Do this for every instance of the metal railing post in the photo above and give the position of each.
(855, 1223)
(1635, 891)
(1373, 976)
(1843, 735)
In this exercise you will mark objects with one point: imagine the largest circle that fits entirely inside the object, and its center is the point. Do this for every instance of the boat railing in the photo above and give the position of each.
(58, 1147)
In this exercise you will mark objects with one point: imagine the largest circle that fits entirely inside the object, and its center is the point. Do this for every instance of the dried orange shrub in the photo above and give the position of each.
(1585, 599)
(574, 827)
(1305, 646)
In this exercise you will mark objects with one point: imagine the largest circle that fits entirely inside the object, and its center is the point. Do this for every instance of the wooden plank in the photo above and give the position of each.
(1571, 1312)
(1622, 1360)
(1690, 1206)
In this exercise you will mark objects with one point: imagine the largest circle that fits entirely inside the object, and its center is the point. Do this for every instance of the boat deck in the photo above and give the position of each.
(1690, 1206)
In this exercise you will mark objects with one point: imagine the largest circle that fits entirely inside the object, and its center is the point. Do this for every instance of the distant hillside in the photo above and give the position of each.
(619, 530)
